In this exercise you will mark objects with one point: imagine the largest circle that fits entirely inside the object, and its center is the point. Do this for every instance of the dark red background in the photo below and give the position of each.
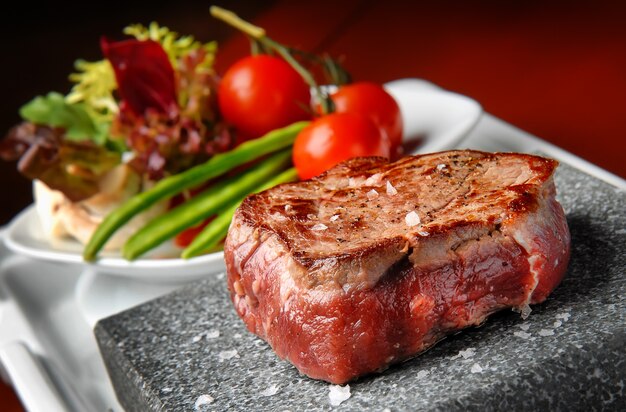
(555, 69)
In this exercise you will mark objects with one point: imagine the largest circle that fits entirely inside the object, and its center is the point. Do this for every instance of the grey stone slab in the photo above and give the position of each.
(189, 350)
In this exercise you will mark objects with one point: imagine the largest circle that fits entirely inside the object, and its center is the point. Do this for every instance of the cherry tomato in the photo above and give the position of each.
(261, 93)
(372, 100)
(184, 238)
(334, 138)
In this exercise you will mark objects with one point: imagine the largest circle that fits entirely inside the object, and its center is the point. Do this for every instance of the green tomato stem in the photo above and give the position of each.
(258, 34)
(232, 19)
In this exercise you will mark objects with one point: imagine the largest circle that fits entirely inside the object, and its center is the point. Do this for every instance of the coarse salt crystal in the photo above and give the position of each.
(352, 182)
(212, 334)
(373, 180)
(467, 353)
(423, 233)
(546, 332)
(524, 326)
(288, 208)
(319, 227)
(338, 394)
(565, 316)
(391, 191)
(372, 194)
(522, 335)
(525, 311)
(441, 166)
(412, 219)
(334, 217)
(202, 401)
(557, 323)
(422, 374)
(272, 390)
(196, 338)
(228, 354)
(476, 368)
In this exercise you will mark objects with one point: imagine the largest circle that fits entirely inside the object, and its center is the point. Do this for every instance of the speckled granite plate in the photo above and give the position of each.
(189, 351)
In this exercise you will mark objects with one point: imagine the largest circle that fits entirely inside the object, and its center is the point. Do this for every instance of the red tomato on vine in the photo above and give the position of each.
(262, 93)
(371, 99)
(334, 138)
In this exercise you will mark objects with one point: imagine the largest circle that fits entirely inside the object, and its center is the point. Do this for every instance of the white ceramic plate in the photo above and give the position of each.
(434, 120)
(24, 236)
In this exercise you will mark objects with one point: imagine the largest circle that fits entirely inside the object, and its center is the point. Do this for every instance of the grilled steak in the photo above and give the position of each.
(373, 262)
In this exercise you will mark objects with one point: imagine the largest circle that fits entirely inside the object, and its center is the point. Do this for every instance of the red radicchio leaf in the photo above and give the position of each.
(144, 74)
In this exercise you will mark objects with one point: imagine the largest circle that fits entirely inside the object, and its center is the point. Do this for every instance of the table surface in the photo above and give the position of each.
(557, 71)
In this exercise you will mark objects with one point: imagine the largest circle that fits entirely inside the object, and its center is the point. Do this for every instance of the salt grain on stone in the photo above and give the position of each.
(338, 394)
(202, 401)
(565, 316)
(319, 227)
(391, 191)
(466, 353)
(441, 166)
(524, 326)
(272, 390)
(557, 323)
(525, 310)
(412, 219)
(546, 332)
(334, 217)
(228, 354)
(422, 374)
(212, 334)
(476, 368)
(522, 335)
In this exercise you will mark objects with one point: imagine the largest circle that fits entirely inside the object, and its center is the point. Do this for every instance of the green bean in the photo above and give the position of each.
(212, 233)
(218, 227)
(170, 186)
(203, 205)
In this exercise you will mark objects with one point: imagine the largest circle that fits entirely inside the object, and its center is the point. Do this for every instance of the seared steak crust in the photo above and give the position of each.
(373, 262)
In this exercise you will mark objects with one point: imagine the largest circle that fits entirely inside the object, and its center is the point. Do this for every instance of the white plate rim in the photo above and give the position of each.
(157, 269)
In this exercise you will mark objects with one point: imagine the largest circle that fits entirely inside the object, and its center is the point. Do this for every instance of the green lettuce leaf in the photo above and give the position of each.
(53, 110)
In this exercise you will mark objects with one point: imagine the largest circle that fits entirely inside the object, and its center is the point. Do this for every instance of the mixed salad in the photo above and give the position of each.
(152, 143)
